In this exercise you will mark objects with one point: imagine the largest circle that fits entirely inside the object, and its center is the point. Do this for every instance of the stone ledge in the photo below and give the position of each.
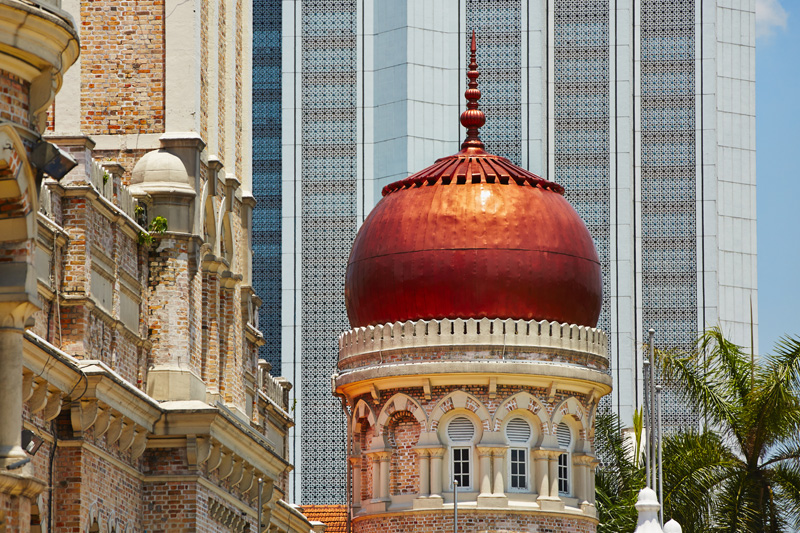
(528, 373)
(486, 332)
(464, 509)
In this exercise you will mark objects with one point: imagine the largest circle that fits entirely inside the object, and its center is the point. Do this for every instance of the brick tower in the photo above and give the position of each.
(473, 369)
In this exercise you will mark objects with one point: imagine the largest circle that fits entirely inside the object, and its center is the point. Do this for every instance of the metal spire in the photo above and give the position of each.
(473, 118)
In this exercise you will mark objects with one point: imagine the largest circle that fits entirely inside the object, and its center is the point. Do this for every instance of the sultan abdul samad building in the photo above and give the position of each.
(473, 290)
(131, 393)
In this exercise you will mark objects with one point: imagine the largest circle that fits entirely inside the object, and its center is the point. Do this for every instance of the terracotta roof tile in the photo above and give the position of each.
(333, 516)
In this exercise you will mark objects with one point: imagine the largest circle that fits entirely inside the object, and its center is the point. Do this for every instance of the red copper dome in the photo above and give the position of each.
(473, 236)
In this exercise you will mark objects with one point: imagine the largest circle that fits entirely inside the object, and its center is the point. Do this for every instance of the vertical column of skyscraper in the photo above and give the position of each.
(267, 172)
(328, 225)
(580, 137)
(498, 24)
(668, 201)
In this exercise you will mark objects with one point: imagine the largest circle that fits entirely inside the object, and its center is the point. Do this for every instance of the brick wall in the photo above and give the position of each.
(14, 99)
(170, 301)
(403, 434)
(90, 486)
(122, 66)
(468, 521)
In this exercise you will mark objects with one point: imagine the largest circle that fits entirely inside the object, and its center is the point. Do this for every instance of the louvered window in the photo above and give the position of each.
(461, 429)
(564, 437)
(518, 430)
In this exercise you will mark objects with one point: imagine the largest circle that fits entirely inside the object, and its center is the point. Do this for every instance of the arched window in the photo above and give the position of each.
(564, 437)
(518, 435)
(461, 433)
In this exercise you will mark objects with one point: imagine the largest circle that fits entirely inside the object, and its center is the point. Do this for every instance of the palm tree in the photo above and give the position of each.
(621, 474)
(741, 472)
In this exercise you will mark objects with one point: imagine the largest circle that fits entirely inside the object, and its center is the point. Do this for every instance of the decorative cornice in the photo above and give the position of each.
(101, 399)
(106, 208)
(38, 44)
(485, 332)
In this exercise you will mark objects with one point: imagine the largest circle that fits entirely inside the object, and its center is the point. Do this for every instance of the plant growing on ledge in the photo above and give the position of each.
(141, 215)
(158, 225)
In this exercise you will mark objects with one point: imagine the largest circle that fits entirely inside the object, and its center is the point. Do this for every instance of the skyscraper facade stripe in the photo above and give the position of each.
(267, 178)
(643, 110)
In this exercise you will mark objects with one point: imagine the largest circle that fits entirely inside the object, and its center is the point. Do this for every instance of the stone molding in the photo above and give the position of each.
(556, 376)
(113, 407)
(38, 44)
(474, 333)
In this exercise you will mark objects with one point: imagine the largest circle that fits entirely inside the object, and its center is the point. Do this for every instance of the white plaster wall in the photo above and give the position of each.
(626, 361)
(290, 229)
(534, 86)
(213, 81)
(247, 100)
(68, 100)
(410, 91)
(182, 65)
(736, 167)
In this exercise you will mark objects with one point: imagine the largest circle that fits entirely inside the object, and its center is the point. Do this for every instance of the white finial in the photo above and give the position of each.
(648, 507)
(672, 527)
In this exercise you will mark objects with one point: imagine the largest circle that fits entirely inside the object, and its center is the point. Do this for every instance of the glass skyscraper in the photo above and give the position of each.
(643, 109)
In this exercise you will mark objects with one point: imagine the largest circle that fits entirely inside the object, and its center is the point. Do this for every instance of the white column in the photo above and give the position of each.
(12, 316)
(542, 479)
(553, 467)
(11, 396)
(355, 472)
(424, 473)
(485, 455)
(580, 479)
(499, 486)
(384, 458)
(436, 472)
(376, 476)
(590, 487)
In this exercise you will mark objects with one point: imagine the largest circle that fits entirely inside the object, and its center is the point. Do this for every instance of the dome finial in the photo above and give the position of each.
(473, 118)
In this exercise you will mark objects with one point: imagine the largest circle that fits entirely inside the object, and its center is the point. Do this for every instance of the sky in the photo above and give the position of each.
(777, 173)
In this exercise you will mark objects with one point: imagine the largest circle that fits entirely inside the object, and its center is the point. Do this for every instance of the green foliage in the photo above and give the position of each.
(158, 225)
(141, 215)
(106, 176)
(741, 473)
(620, 477)
(638, 429)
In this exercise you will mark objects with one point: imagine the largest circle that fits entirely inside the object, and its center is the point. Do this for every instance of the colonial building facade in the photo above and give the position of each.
(131, 394)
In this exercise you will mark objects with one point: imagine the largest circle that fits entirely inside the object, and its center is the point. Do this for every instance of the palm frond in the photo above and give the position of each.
(786, 481)
(695, 466)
